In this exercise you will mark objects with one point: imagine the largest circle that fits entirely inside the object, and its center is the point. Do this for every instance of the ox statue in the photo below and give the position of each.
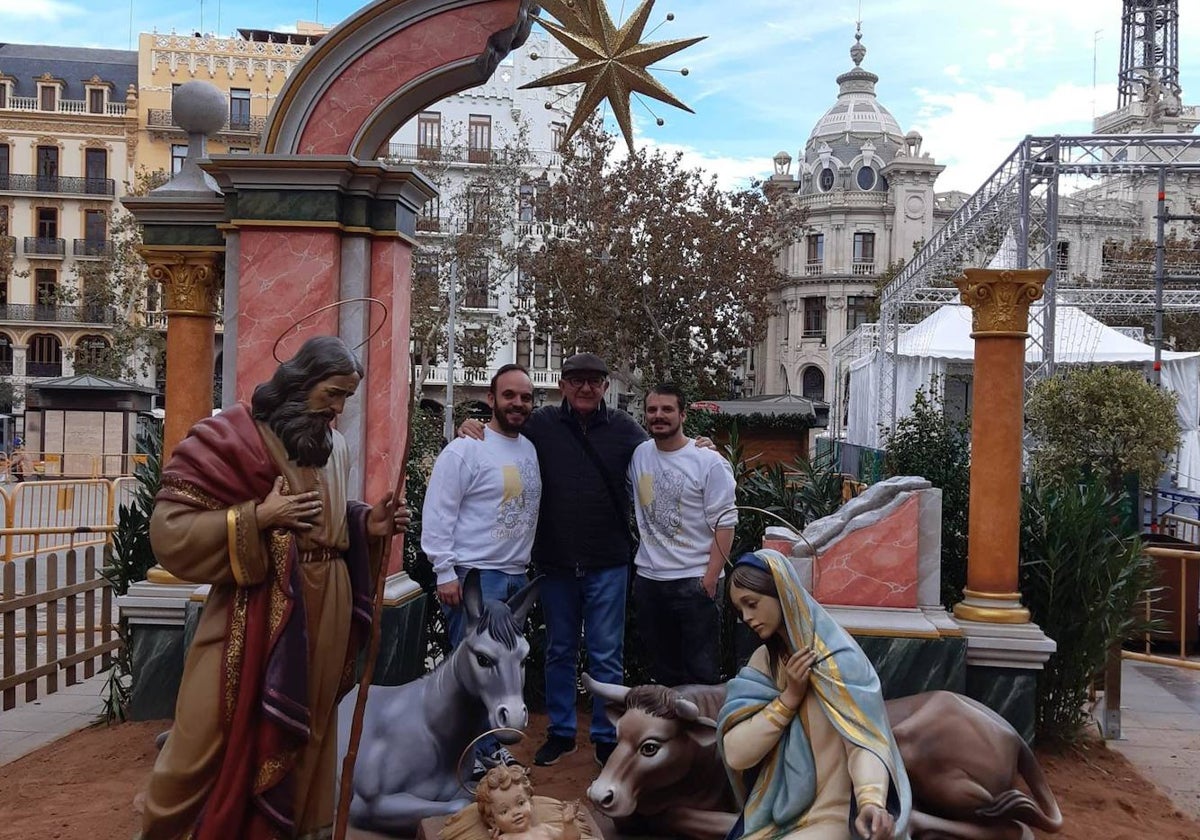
(415, 734)
(963, 761)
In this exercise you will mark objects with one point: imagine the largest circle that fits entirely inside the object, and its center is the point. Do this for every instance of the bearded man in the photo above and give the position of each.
(254, 502)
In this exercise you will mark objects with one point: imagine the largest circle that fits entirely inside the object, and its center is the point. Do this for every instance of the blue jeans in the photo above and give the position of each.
(593, 603)
(496, 586)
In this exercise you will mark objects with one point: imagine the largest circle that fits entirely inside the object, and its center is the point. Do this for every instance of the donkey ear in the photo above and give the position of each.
(522, 602)
(472, 597)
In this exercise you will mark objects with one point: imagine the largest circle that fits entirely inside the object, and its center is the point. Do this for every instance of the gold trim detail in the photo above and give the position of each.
(972, 594)
(1000, 298)
(191, 279)
(991, 615)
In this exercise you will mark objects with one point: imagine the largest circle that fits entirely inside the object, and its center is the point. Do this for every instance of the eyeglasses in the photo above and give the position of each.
(580, 381)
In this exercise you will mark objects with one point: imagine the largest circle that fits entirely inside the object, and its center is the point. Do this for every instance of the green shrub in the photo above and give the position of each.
(928, 444)
(1082, 572)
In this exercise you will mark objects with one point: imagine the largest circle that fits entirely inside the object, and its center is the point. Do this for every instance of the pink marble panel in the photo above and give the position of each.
(406, 55)
(386, 425)
(872, 567)
(284, 275)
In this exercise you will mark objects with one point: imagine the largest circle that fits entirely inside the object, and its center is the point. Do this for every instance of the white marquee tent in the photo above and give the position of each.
(943, 339)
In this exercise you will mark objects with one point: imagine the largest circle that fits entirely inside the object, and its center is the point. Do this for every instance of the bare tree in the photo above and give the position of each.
(657, 269)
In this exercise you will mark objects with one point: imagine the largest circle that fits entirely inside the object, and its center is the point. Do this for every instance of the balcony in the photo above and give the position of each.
(417, 152)
(92, 248)
(64, 106)
(57, 184)
(43, 369)
(436, 375)
(814, 268)
(429, 224)
(37, 246)
(544, 230)
(50, 314)
(163, 118)
(814, 335)
(861, 268)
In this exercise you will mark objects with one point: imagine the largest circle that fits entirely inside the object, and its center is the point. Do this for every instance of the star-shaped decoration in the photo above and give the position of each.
(611, 63)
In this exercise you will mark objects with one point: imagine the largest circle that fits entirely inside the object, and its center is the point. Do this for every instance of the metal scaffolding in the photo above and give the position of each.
(1106, 184)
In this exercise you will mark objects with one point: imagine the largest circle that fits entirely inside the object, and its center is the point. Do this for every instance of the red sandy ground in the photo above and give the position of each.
(83, 788)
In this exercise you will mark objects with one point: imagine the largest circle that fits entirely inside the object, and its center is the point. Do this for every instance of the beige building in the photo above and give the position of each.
(66, 148)
(250, 68)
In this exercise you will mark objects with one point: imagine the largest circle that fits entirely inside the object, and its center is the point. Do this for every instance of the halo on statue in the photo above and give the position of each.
(469, 748)
(337, 304)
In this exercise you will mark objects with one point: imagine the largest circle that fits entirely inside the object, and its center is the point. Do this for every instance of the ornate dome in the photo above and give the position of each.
(856, 123)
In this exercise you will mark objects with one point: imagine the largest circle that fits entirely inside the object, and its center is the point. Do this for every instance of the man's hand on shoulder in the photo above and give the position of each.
(703, 442)
(295, 513)
(471, 428)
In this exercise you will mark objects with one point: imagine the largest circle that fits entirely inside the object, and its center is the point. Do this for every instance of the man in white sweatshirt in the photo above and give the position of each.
(684, 506)
(481, 506)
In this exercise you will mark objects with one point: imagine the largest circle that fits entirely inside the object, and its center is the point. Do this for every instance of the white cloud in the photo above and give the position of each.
(733, 173)
(973, 131)
(46, 10)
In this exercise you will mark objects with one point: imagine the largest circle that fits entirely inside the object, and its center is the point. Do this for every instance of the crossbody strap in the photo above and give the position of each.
(594, 457)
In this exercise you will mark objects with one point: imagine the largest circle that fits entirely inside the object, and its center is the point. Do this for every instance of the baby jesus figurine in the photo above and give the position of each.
(505, 802)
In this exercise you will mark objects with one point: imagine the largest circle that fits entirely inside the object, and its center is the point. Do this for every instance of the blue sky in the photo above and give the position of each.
(972, 77)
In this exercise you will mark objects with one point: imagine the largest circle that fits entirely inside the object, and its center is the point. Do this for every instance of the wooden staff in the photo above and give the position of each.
(346, 785)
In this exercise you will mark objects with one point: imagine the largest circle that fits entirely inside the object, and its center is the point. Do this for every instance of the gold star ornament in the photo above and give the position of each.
(611, 63)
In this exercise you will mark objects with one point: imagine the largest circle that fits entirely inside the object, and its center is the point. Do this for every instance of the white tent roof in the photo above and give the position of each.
(1078, 339)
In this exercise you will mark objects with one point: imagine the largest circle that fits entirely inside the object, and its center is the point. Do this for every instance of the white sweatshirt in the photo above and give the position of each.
(481, 506)
(679, 498)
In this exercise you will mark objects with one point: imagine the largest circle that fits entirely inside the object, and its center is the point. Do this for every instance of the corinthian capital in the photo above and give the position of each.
(1000, 298)
(191, 280)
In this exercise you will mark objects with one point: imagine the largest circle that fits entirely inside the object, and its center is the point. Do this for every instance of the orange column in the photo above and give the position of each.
(191, 281)
(999, 301)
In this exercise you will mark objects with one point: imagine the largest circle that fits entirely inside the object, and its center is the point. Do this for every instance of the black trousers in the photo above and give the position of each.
(680, 628)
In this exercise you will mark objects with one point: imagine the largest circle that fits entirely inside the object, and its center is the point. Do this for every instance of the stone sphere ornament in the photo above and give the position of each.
(199, 108)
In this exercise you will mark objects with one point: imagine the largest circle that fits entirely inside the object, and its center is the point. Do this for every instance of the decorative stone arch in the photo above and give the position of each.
(85, 344)
(314, 218)
(44, 357)
(385, 64)
(6, 352)
(812, 383)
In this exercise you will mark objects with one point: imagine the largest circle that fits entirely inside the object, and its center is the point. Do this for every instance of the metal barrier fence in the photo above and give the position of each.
(56, 617)
(42, 516)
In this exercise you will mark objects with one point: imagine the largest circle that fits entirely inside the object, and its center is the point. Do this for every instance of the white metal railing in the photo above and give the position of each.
(63, 106)
(436, 375)
(546, 230)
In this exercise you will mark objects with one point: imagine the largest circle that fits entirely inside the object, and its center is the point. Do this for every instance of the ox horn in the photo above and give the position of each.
(607, 692)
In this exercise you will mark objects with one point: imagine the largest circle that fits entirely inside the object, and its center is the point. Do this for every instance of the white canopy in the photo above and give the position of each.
(927, 349)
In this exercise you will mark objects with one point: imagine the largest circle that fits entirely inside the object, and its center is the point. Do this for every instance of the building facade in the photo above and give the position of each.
(458, 136)
(67, 139)
(869, 191)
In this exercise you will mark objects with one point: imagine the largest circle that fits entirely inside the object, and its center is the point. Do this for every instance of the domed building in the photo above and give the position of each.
(868, 189)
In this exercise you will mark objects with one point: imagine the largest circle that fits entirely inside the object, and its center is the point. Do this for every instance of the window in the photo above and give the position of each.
(239, 150)
(5, 157)
(478, 205)
(1062, 258)
(45, 282)
(864, 254)
(90, 353)
(239, 109)
(95, 170)
(430, 219)
(45, 356)
(475, 348)
(429, 134)
(47, 168)
(95, 227)
(816, 254)
(866, 178)
(558, 136)
(1108, 253)
(3, 219)
(812, 383)
(525, 212)
(95, 100)
(47, 223)
(425, 269)
(477, 291)
(524, 347)
(479, 136)
(3, 94)
(814, 317)
(785, 325)
(178, 156)
(48, 97)
(826, 179)
(858, 312)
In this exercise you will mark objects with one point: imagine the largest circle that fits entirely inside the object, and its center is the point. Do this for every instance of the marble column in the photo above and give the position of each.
(191, 282)
(999, 301)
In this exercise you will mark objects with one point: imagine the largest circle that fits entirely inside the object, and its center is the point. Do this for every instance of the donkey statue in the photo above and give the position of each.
(415, 734)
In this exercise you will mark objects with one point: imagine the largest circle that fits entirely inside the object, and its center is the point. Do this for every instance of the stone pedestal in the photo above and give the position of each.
(157, 614)
(1003, 661)
(402, 632)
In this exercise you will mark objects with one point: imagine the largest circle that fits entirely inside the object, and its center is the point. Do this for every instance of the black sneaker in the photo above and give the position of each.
(556, 747)
(503, 756)
(604, 751)
(479, 770)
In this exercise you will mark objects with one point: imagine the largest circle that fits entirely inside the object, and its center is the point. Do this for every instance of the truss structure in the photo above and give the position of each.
(1106, 184)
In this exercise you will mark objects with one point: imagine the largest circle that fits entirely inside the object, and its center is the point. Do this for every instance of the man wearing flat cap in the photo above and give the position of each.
(583, 544)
